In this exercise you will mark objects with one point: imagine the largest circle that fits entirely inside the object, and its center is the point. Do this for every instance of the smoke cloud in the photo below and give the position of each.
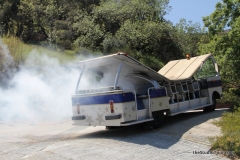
(40, 91)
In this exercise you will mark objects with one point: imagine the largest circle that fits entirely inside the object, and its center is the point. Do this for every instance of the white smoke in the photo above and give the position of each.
(40, 91)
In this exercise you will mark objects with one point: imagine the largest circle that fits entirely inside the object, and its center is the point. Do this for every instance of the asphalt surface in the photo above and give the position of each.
(182, 137)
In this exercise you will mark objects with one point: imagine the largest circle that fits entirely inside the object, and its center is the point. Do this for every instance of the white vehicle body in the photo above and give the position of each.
(117, 90)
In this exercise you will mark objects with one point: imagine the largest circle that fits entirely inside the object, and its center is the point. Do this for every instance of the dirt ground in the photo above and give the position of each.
(184, 136)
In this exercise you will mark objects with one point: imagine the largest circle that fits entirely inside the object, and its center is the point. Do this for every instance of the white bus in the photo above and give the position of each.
(117, 90)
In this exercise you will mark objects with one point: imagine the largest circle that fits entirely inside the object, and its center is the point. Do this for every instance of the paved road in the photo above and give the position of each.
(178, 139)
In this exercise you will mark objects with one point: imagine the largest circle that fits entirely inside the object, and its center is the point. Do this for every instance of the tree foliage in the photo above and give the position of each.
(188, 35)
(138, 26)
(134, 26)
(8, 15)
(225, 44)
(87, 31)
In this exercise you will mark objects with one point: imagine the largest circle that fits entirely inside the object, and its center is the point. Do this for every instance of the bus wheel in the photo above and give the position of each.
(158, 117)
(109, 127)
(211, 107)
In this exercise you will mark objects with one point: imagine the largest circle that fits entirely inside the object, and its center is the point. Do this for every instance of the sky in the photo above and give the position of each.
(191, 10)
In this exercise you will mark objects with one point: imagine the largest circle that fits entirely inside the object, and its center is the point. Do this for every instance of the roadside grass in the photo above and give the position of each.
(20, 51)
(230, 139)
(16, 48)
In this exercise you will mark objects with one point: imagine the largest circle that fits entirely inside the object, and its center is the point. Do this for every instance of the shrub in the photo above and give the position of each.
(230, 125)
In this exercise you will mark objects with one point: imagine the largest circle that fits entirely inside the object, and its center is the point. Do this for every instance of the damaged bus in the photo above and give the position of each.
(117, 90)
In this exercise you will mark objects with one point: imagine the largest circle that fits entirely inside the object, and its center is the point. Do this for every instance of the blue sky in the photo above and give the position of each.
(191, 10)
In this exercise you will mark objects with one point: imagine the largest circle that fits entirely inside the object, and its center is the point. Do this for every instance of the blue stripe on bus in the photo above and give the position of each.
(103, 99)
(216, 83)
(154, 93)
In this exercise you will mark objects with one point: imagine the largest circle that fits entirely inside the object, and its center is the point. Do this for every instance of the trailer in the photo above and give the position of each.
(117, 90)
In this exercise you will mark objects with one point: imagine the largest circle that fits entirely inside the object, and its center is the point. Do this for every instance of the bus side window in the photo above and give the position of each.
(207, 70)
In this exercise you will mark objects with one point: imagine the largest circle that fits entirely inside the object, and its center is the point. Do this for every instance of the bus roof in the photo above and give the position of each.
(173, 71)
(179, 70)
(104, 63)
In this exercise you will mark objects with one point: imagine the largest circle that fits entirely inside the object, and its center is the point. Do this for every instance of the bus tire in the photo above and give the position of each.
(211, 107)
(109, 127)
(158, 119)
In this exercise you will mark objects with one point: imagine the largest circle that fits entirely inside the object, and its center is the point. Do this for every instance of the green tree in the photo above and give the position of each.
(225, 44)
(8, 16)
(188, 35)
(111, 14)
(68, 34)
(38, 20)
(38, 17)
(150, 39)
(138, 27)
(88, 33)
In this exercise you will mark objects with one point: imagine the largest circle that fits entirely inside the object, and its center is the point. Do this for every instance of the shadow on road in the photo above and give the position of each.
(164, 137)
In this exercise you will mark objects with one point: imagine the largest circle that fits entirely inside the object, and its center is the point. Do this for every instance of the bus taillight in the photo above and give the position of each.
(111, 106)
(78, 108)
